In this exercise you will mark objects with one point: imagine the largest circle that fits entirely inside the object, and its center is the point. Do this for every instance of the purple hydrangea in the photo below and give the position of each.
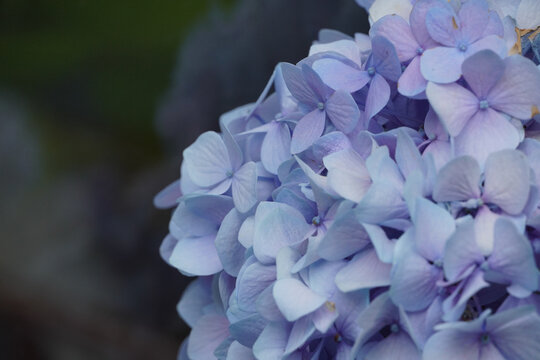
(382, 202)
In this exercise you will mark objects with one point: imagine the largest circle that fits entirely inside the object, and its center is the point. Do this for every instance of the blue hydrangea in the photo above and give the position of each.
(379, 200)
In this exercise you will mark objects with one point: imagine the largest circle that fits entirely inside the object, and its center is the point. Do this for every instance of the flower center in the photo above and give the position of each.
(229, 174)
(462, 47)
(394, 328)
(438, 263)
(484, 266)
(371, 71)
(316, 221)
(320, 106)
(484, 339)
(420, 50)
(483, 104)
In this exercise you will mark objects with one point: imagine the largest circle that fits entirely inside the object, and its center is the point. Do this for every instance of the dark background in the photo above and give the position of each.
(97, 100)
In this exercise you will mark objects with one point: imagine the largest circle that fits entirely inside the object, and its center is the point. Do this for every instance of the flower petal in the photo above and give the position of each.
(459, 180)
(230, 251)
(485, 133)
(454, 105)
(272, 341)
(442, 64)
(196, 256)
(364, 271)
(206, 336)
(244, 187)
(339, 75)
(238, 351)
(518, 90)
(385, 59)
(461, 251)
(412, 82)
(207, 160)
(297, 85)
(506, 182)
(345, 237)
(168, 197)
(277, 225)
(512, 259)
(398, 31)
(482, 71)
(433, 225)
(276, 147)
(347, 174)
(308, 129)
(294, 299)
(342, 111)
(378, 96)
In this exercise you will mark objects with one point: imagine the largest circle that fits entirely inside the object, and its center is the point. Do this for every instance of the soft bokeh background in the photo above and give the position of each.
(97, 100)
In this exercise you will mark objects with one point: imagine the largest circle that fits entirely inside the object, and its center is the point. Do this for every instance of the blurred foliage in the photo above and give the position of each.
(92, 72)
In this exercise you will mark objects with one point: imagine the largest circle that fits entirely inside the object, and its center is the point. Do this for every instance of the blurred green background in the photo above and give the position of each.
(93, 67)
(97, 100)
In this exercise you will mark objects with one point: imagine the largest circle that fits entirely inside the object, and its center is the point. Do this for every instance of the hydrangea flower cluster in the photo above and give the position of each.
(381, 203)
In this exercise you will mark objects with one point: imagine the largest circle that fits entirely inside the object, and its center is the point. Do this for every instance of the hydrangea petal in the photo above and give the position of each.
(196, 296)
(196, 256)
(417, 19)
(381, 202)
(252, 282)
(474, 18)
(515, 333)
(248, 329)
(442, 24)
(338, 75)
(276, 147)
(512, 258)
(412, 82)
(461, 251)
(345, 237)
(207, 160)
(308, 129)
(168, 197)
(301, 330)
(482, 71)
(398, 31)
(507, 181)
(342, 111)
(385, 59)
(206, 336)
(518, 90)
(294, 79)
(238, 351)
(277, 225)
(166, 248)
(396, 346)
(413, 281)
(272, 341)
(315, 82)
(527, 14)
(294, 299)
(454, 105)
(442, 64)
(459, 180)
(347, 174)
(230, 251)
(433, 225)
(452, 344)
(244, 187)
(487, 132)
(364, 271)
(378, 95)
